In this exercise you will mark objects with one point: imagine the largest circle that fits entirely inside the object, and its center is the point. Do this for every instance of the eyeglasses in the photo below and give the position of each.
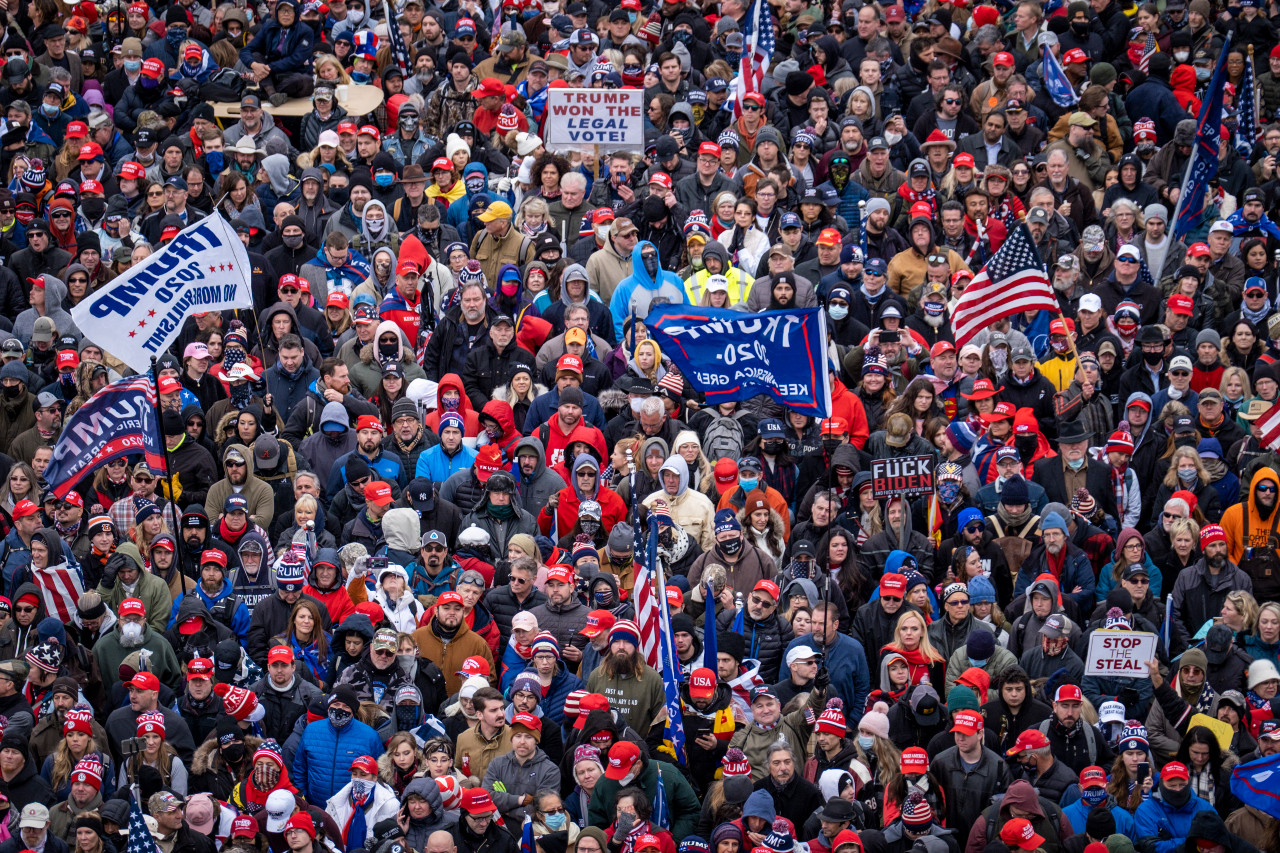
(1168, 516)
(232, 464)
(155, 193)
(1125, 259)
(60, 215)
(1266, 487)
(586, 475)
(1140, 580)
(387, 653)
(560, 810)
(1179, 372)
(289, 290)
(24, 608)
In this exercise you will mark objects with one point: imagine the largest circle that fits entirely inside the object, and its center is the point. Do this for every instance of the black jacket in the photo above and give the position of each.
(1048, 473)
(448, 348)
(795, 800)
(486, 369)
(504, 606)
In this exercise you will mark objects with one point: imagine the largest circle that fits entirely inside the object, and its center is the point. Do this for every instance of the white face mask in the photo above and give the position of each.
(355, 16)
(602, 232)
(892, 138)
(130, 634)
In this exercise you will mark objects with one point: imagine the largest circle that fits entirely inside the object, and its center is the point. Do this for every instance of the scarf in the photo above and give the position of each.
(629, 843)
(1118, 484)
(357, 827)
(1256, 317)
(910, 196)
(310, 655)
(917, 664)
(229, 536)
(255, 799)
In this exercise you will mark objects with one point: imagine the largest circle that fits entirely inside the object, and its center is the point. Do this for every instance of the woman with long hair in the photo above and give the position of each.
(761, 526)
(837, 557)
(1123, 780)
(438, 754)
(1187, 473)
(239, 195)
(919, 401)
(156, 754)
(390, 389)
(18, 486)
(1242, 347)
(875, 392)
(1240, 613)
(148, 526)
(307, 637)
(1209, 768)
(519, 391)
(547, 171)
(401, 762)
(657, 114)
(77, 744)
(1263, 642)
(1130, 552)
(911, 640)
(913, 775)
(1236, 390)
(745, 242)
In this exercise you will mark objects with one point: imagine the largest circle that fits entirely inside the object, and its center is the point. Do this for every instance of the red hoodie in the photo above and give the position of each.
(469, 417)
(1183, 81)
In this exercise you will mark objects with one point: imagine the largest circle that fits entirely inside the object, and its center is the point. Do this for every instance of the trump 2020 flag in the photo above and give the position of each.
(1254, 784)
(1056, 80)
(136, 316)
(1203, 166)
(119, 420)
(728, 355)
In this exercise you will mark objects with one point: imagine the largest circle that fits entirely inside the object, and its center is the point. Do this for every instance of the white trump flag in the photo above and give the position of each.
(137, 315)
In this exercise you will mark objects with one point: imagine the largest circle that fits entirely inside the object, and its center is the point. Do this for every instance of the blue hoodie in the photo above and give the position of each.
(620, 304)
(457, 213)
(239, 619)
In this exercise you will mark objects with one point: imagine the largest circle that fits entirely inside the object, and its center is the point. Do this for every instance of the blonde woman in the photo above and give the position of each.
(1240, 612)
(1264, 641)
(1187, 473)
(156, 754)
(77, 743)
(911, 640)
(533, 217)
(329, 69)
(1236, 391)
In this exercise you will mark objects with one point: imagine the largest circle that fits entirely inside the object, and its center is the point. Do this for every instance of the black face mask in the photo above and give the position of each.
(11, 392)
(830, 444)
(1177, 799)
(233, 754)
(650, 265)
(1080, 29)
(1185, 441)
(1152, 359)
(773, 448)
(406, 717)
(730, 546)
(1026, 445)
(339, 195)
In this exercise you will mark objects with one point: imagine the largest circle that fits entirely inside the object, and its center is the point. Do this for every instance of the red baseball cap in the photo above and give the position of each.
(477, 801)
(74, 499)
(89, 150)
(966, 722)
(598, 622)
(475, 665)
(1198, 250)
(1074, 55)
(280, 654)
(726, 474)
(1093, 777)
(964, 160)
(1003, 58)
(710, 148)
(623, 755)
(675, 598)
(662, 179)
(1068, 693)
(833, 426)
(369, 130)
(190, 625)
(1175, 770)
(443, 164)
(528, 721)
(702, 683)
(169, 385)
(244, 827)
(449, 597)
(648, 841)
(1062, 326)
(366, 764)
(200, 668)
(753, 97)
(569, 362)
(587, 704)
(1002, 411)
(562, 574)
(893, 584)
(92, 188)
(130, 171)
(68, 358)
(338, 299)
(24, 508)
(1180, 303)
(914, 760)
(214, 555)
(144, 680)
(1028, 739)
(828, 237)
(153, 68)
(132, 607)
(941, 347)
(346, 127)
(76, 130)
(377, 493)
(408, 267)
(767, 586)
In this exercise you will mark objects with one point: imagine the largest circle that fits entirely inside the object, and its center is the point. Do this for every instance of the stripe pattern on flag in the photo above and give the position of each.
(757, 43)
(1270, 426)
(1013, 281)
(646, 608)
(61, 588)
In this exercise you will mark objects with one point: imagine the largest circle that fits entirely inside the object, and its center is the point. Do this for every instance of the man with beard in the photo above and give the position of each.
(463, 328)
(1202, 587)
(193, 528)
(448, 641)
(377, 677)
(144, 698)
(271, 615)
(1057, 556)
(217, 594)
(632, 689)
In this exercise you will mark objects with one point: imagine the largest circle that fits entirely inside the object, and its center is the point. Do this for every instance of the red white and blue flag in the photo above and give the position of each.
(757, 52)
(1013, 281)
(1204, 163)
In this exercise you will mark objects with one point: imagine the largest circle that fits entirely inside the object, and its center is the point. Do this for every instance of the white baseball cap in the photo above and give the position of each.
(1091, 302)
(280, 807)
(1222, 225)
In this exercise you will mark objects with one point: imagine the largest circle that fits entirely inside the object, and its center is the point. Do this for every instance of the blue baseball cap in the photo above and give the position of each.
(717, 84)
(235, 503)
(771, 428)
(876, 266)
(790, 220)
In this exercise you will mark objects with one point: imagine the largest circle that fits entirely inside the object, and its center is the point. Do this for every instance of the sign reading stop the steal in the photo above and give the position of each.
(1122, 654)
(583, 119)
(906, 476)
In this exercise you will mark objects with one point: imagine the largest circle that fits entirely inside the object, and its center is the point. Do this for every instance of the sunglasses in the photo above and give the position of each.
(762, 602)
(62, 215)
(755, 108)
(952, 101)
(231, 464)
(975, 528)
(1126, 260)
(155, 193)
(23, 608)
(1266, 487)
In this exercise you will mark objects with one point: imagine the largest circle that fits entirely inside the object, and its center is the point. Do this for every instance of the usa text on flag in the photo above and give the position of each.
(1013, 281)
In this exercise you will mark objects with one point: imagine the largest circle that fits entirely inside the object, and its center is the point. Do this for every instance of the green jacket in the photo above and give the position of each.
(152, 590)
(682, 803)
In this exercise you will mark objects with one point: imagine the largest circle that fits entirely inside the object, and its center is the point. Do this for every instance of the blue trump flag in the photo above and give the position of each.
(1056, 81)
(119, 420)
(729, 355)
(709, 650)
(1203, 166)
(1255, 784)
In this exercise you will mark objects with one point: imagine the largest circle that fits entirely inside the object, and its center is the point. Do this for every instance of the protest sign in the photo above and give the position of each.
(137, 315)
(590, 119)
(1120, 654)
(906, 476)
(728, 355)
(119, 420)
(1221, 731)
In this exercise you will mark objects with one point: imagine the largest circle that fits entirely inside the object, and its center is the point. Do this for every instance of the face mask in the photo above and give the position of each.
(389, 350)
(650, 265)
(1060, 346)
(175, 35)
(682, 37)
(233, 754)
(604, 597)
(359, 77)
(999, 359)
(295, 241)
(407, 661)
(892, 138)
(26, 217)
(355, 16)
(384, 179)
(1187, 475)
(338, 717)
(1094, 796)
(830, 444)
(50, 110)
(838, 312)
(147, 83)
(410, 122)
(1202, 74)
(1075, 464)
(602, 232)
(631, 17)
(748, 484)
(866, 742)
(451, 404)
(731, 546)
(130, 631)
(133, 66)
(359, 789)
(510, 288)
(474, 184)
(555, 822)
(406, 717)
(590, 527)
(948, 491)
(1080, 29)
(1152, 359)
(266, 777)
(978, 663)
(1181, 55)
(1177, 799)
(773, 448)
(635, 406)
(1187, 441)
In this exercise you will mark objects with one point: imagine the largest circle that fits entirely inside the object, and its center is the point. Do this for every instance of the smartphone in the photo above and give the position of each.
(1144, 770)
(888, 336)
(131, 746)
(377, 564)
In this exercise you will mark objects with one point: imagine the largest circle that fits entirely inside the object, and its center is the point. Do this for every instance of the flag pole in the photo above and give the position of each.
(169, 473)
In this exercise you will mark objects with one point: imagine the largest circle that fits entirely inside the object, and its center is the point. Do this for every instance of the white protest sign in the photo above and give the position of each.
(586, 119)
(1122, 654)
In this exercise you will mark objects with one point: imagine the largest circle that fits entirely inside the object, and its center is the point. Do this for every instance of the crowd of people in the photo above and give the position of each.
(382, 595)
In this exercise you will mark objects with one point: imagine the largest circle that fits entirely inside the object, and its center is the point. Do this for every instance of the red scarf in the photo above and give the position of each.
(1055, 563)
(230, 537)
(910, 196)
(255, 800)
(917, 664)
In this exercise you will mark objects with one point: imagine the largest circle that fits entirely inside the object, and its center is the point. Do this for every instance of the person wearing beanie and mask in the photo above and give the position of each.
(1034, 757)
(980, 648)
(329, 746)
(1057, 556)
(1191, 683)
(224, 761)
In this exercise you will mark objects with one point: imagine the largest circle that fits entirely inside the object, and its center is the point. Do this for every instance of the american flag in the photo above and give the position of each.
(1270, 426)
(1013, 281)
(61, 588)
(1149, 49)
(652, 615)
(140, 840)
(1205, 155)
(398, 48)
(647, 613)
(757, 53)
(526, 835)
(1246, 112)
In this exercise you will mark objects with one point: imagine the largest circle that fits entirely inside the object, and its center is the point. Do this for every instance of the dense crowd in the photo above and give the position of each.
(383, 593)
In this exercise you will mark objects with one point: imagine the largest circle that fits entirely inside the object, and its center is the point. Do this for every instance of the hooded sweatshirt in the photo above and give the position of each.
(639, 292)
(691, 510)
(55, 293)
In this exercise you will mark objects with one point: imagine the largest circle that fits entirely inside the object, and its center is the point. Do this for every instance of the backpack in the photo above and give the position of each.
(1090, 738)
(723, 440)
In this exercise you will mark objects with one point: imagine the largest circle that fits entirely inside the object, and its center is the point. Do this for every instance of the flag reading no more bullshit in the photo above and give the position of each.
(136, 316)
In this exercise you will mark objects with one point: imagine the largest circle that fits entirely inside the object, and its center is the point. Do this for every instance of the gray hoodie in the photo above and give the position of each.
(535, 489)
(55, 291)
(277, 168)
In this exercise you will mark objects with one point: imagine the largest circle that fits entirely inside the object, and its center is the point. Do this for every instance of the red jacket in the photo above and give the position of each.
(612, 510)
(846, 406)
(501, 412)
(469, 416)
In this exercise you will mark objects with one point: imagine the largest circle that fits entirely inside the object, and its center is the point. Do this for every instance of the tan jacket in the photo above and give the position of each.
(475, 753)
(493, 252)
(449, 656)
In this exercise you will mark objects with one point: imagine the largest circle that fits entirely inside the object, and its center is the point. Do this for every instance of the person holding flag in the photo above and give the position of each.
(708, 720)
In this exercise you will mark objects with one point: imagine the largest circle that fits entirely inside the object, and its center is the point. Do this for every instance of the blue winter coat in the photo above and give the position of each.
(1078, 813)
(293, 58)
(1155, 100)
(435, 465)
(322, 765)
(1106, 581)
(16, 554)
(847, 666)
(619, 304)
(387, 467)
(239, 620)
(1154, 815)
(552, 702)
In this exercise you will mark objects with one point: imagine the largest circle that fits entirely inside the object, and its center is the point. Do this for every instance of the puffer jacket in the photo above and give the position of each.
(1163, 828)
(765, 640)
(322, 764)
(439, 819)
